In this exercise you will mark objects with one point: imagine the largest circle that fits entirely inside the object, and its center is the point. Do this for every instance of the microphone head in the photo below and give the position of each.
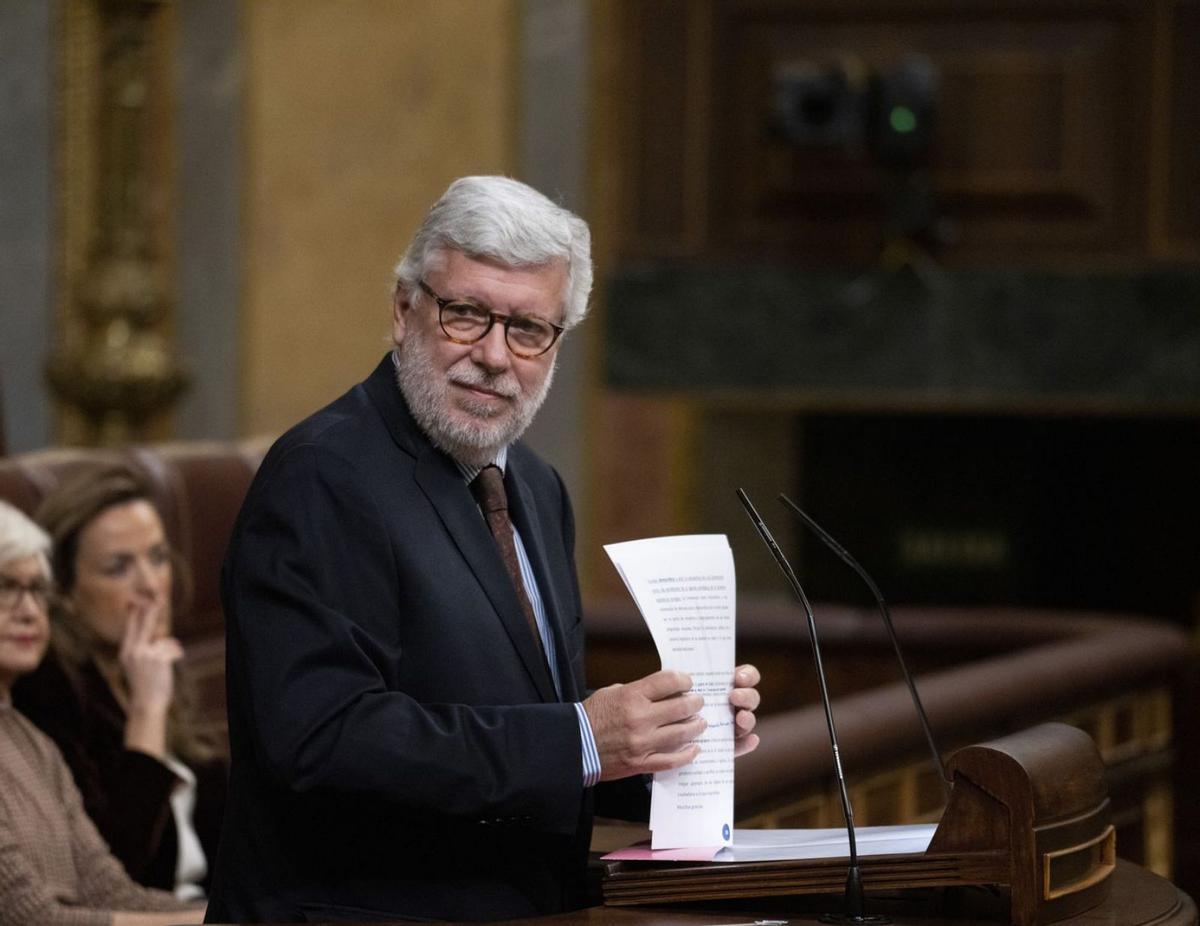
(750, 509)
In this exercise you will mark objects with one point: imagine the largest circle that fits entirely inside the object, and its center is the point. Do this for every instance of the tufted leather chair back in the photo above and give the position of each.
(198, 487)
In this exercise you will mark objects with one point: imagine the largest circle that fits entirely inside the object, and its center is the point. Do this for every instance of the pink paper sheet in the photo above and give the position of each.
(643, 853)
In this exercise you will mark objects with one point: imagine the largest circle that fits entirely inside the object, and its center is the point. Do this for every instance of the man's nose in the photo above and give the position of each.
(491, 351)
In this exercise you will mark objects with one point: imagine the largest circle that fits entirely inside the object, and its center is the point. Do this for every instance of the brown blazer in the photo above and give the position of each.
(125, 792)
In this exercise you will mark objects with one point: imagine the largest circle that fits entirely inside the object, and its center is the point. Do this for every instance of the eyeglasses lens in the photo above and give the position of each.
(11, 592)
(527, 336)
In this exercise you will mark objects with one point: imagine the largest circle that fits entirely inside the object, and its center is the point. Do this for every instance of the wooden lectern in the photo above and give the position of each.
(1028, 813)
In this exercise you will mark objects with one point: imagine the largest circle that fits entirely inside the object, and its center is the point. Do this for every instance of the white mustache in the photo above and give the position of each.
(475, 378)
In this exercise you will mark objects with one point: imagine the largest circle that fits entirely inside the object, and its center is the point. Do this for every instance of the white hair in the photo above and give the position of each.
(504, 220)
(20, 537)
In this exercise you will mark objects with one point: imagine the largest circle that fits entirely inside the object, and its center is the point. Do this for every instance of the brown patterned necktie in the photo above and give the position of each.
(488, 489)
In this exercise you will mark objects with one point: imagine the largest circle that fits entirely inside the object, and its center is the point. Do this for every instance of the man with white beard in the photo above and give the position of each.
(410, 730)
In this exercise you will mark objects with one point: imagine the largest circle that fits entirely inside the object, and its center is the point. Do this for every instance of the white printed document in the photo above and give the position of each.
(781, 845)
(685, 590)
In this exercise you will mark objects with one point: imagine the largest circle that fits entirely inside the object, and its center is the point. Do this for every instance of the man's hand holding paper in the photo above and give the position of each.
(645, 726)
(650, 725)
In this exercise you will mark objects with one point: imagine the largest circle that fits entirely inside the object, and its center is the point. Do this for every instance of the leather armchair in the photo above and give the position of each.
(198, 487)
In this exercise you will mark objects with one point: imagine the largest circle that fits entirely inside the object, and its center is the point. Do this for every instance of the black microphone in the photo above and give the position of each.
(854, 889)
(850, 561)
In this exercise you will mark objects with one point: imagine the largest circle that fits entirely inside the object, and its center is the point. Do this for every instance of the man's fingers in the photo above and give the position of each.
(674, 710)
(675, 736)
(628, 706)
(651, 725)
(746, 699)
(669, 694)
(745, 744)
(662, 684)
(635, 735)
(663, 739)
(665, 761)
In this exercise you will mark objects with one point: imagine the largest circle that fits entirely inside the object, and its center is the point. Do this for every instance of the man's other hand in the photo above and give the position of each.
(745, 700)
(649, 725)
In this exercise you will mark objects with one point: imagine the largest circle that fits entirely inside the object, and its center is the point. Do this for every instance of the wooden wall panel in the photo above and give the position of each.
(665, 97)
(661, 209)
(1183, 174)
(646, 466)
(1033, 146)
(1053, 144)
(357, 118)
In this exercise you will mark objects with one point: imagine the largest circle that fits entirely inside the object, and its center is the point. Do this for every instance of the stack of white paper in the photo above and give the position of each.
(781, 845)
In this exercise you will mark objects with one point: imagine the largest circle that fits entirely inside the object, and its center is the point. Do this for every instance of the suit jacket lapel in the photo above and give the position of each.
(450, 496)
(444, 487)
(528, 520)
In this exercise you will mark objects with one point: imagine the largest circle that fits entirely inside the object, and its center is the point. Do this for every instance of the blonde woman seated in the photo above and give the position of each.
(108, 694)
(55, 870)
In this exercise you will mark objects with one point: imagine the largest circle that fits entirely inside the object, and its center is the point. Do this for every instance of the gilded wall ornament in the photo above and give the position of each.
(114, 368)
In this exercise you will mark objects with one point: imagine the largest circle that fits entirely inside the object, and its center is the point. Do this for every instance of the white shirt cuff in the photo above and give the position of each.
(591, 758)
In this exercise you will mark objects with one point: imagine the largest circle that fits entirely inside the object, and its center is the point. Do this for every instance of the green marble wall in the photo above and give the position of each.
(984, 336)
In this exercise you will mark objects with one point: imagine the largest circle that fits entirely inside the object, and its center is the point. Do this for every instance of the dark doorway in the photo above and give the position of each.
(1099, 513)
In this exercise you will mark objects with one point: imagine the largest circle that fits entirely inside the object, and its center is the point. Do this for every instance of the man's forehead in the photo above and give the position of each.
(449, 259)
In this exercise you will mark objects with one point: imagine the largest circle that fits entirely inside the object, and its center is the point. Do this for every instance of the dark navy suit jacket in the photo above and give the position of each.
(398, 749)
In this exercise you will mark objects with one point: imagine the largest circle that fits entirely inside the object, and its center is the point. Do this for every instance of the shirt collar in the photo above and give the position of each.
(470, 472)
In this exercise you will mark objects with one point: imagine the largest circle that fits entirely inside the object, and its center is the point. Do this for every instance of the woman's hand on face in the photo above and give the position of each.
(148, 661)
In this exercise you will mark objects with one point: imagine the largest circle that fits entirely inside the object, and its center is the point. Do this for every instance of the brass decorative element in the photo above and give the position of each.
(113, 367)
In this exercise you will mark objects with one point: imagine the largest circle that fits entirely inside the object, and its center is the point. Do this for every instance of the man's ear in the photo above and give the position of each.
(401, 306)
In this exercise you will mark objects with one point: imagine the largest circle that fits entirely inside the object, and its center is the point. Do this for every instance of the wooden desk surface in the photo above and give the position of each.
(1138, 898)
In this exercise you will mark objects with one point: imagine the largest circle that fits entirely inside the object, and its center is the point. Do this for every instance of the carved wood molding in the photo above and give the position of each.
(113, 371)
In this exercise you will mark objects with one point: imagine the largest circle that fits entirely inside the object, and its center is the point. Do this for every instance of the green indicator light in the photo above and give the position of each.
(903, 119)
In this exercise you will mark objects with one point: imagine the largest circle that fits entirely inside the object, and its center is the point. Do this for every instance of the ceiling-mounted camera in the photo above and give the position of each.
(886, 113)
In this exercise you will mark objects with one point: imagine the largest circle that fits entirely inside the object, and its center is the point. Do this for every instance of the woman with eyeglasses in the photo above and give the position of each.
(54, 867)
(109, 694)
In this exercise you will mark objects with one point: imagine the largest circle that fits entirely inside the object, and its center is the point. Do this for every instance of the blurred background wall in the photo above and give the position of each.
(284, 154)
(356, 118)
(932, 267)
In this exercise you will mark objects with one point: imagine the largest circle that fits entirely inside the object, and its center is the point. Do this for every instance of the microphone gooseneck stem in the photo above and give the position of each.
(855, 904)
(844, 555)
(786, 567)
